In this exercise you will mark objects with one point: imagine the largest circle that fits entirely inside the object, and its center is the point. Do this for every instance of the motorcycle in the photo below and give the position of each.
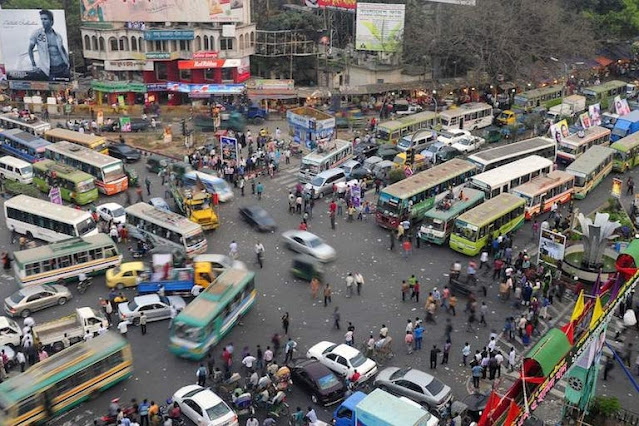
(138, 253)
(83, 285)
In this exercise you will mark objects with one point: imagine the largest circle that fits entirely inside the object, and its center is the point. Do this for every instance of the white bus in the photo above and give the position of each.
(34, 126)
(47, 221)
(502, 179)
(108, 172)
(332, 154)
(470, 116)
(573, 146)
(496, 157)
(163, 228)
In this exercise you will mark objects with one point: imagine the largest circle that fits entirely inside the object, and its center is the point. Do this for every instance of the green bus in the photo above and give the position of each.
(626, 153)
(548, 96)
(392, 131)
(590, 169)
(212, 314)
(410, 198)
(604, 92)
(65, 380)
(477, 228)
(75, 185)
(438, 222)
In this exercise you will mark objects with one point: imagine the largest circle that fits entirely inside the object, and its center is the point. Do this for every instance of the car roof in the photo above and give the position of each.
(32, 289)
(132, 266)
(305, 235)
(206, 398)
(350, 163)
(147, 299)
(418, 376)
(345, 351)
(253, 208)
(316, 369)
(110, 206)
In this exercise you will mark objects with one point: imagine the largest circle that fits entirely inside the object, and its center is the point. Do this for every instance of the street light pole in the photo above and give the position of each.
(435, 100)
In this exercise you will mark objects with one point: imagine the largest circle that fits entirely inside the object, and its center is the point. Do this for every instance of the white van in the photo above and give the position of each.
(212, 184)
(323, 182)
(15, 169)
(418, 141)
(452, 136)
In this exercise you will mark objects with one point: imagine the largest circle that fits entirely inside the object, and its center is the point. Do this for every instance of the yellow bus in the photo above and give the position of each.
(96, 143)
(477, 228)
(392, 131)
(575, 145)
(65, 380)
(590, 169)
(541, 192)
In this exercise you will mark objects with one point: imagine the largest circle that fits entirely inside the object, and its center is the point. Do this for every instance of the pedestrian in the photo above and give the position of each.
(433, 357)
(477, 371)
(416, 290)
(418, 334)
(452, 303)
(21, 359)
(482, 314)
(405, 290)
(259, 252)
(147, 183)
(500, 359)
(336, 318)
(391, 237)
(259, 189)
(143, 409)
(465, 353)
(241, 185)
(483, 260)
(332, 213)
(348, 338)
(350, 280)
(408, 340)
(446, 352)
(535, 229)
(122, 328)
(143, 323)
(201, 374)
(172, 314)
(289, 349)
(359, 281)
(448, 330)
(286, 320)
(315, 285)
(406, 246)
(631, 186)
(471, 321)
(327, 294)
(233, 250)
(512, 357)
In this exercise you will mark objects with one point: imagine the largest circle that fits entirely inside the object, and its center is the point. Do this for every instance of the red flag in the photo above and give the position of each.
(513, 412)
(568, 330)
(493, 401)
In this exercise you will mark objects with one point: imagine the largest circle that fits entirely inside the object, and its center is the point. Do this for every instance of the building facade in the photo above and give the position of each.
(168, 62)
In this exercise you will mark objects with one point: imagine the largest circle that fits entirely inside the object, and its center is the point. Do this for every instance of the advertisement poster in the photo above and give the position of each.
(559, 131)
(349, 5)
(34, 45)
(551, 247)
(55, 196)
(229, 148)
(162, 11)
(621, 106)
(616, 187)
(100, 118)
(584, 119)
(594, 111)
(379, 27)
(125, 124)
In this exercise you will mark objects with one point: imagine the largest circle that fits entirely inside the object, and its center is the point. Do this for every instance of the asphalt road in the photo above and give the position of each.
(362, 247)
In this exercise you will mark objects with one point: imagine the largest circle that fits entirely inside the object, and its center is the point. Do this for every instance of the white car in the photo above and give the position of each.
(343, 359)
(450, 137)
(10, 332)
(469, 144)
(308, 243)
(155, 308)
(112, 211)
(203, 407)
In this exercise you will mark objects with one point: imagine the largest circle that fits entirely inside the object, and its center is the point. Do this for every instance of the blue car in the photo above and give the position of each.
(160, 203)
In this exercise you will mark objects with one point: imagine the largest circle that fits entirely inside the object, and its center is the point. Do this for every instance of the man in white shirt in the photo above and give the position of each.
(512, 356)
(248, 362)
(88, 336)
(350, 280)
(233, 251)
(311, 416)
(383, 332)
(196, 290)
(123, 328)
(268, 355)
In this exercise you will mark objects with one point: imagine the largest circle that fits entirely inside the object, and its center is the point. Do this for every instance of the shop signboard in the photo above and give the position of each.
(206, 54)
(379, 27)
(128, 65)
(154, 35)
(118, 86)
(213, 89)
(349, 5)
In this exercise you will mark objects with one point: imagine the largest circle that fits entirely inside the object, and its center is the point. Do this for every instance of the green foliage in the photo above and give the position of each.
(605, 406)
(613, 18)
(396, 175)
(289, 20)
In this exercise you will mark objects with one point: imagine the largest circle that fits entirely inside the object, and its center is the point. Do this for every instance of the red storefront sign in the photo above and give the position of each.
(338, 4)
(205, 54)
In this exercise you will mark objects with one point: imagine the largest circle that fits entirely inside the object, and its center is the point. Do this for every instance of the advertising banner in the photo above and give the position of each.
(128, 65)
(350, 5)
(162, 11)
(154, 35)
(621, 106)
(551, 247)
(594, 111)
(125, 124)
(559, 131)
(584, 119)
(379, 27)
(34, 45)
(616, 188)
(213, 89)
(229, 148)
(206, 54)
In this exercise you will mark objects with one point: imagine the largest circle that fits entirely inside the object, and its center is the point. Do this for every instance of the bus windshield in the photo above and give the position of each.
(389, 206)
(187, 332)
(86, 226)
(383, 134)
(466, 231)
(85, 186)
(194, 239)
(434, 223)
(113, 171)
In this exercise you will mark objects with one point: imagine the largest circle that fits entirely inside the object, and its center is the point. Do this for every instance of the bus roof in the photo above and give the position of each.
(66, 172)
(173, 221)
(430, 177)
(605, 86)
(590, 160)
(541, 183)
(60, 248)
(46, 208)
(72, 135)
(36, 124)
(207, 305)
(335, 145)
(32, 140)
(82, 153)
(502, 174)
(589, 133)
(512, 149)
(486, 211)
(464, 109)
(627, 143)
(471, 196)
(409, 119)
(70, 360)
(541, 91)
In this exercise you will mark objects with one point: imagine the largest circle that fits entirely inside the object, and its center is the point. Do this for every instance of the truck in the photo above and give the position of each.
(196, 204)
(175, 280)
(380, 408)
(625, 125)
(569, 107)
(75, 326)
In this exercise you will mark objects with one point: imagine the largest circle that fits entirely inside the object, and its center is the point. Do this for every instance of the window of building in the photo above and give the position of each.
(198, 43)
(87, 42)
(102, 48)
(227, 74)
(161, 71)
(185, 45)
(113, 44)
(94, 43)
(212, 42)
(206, 43)
(134, 44)
(252, 38)
(141, 44)
(241, 41)
(185, 75)
(226, 43)
(174, 46)
(209, 74)
(124, 43)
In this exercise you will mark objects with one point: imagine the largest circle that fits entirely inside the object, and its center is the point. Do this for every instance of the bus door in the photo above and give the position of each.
(542, 203)
(461, 122)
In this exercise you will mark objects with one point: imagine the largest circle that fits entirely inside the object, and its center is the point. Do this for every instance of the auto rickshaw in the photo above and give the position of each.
(306, 267)
(134, 180)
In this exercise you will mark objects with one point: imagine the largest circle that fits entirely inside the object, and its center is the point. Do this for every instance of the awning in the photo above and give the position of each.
(383, 87)
(268, 94)
(603, 61)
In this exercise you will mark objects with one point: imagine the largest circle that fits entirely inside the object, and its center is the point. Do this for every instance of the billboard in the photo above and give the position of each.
(379, 27)
(559, 131)
(551, 247)
(34, 45)
(338, 4)
(621, 106)
(459, 2)
(163, 11)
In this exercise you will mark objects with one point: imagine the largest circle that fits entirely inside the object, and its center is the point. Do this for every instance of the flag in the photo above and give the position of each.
(615, 289)
(513, 412)
(493, 401)
(596, 313)
(579, 307)
(597, 284)
(569, 329)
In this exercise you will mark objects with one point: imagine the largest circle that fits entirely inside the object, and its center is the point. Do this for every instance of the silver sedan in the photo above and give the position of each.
(311, 244)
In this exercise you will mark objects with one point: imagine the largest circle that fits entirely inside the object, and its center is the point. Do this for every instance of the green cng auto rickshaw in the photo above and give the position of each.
(306, 268)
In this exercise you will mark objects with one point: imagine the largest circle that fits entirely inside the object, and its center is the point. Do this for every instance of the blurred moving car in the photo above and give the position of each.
(124, 152)
(258, 218)
(125, 275)
(311, 244)
(160, 203)
(35, 298)
(446, 153)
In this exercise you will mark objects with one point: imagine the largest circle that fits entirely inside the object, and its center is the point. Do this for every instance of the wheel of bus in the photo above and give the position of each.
(58, 346)
(25, 313)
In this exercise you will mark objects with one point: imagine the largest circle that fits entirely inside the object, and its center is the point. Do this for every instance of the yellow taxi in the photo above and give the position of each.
(125, 275)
